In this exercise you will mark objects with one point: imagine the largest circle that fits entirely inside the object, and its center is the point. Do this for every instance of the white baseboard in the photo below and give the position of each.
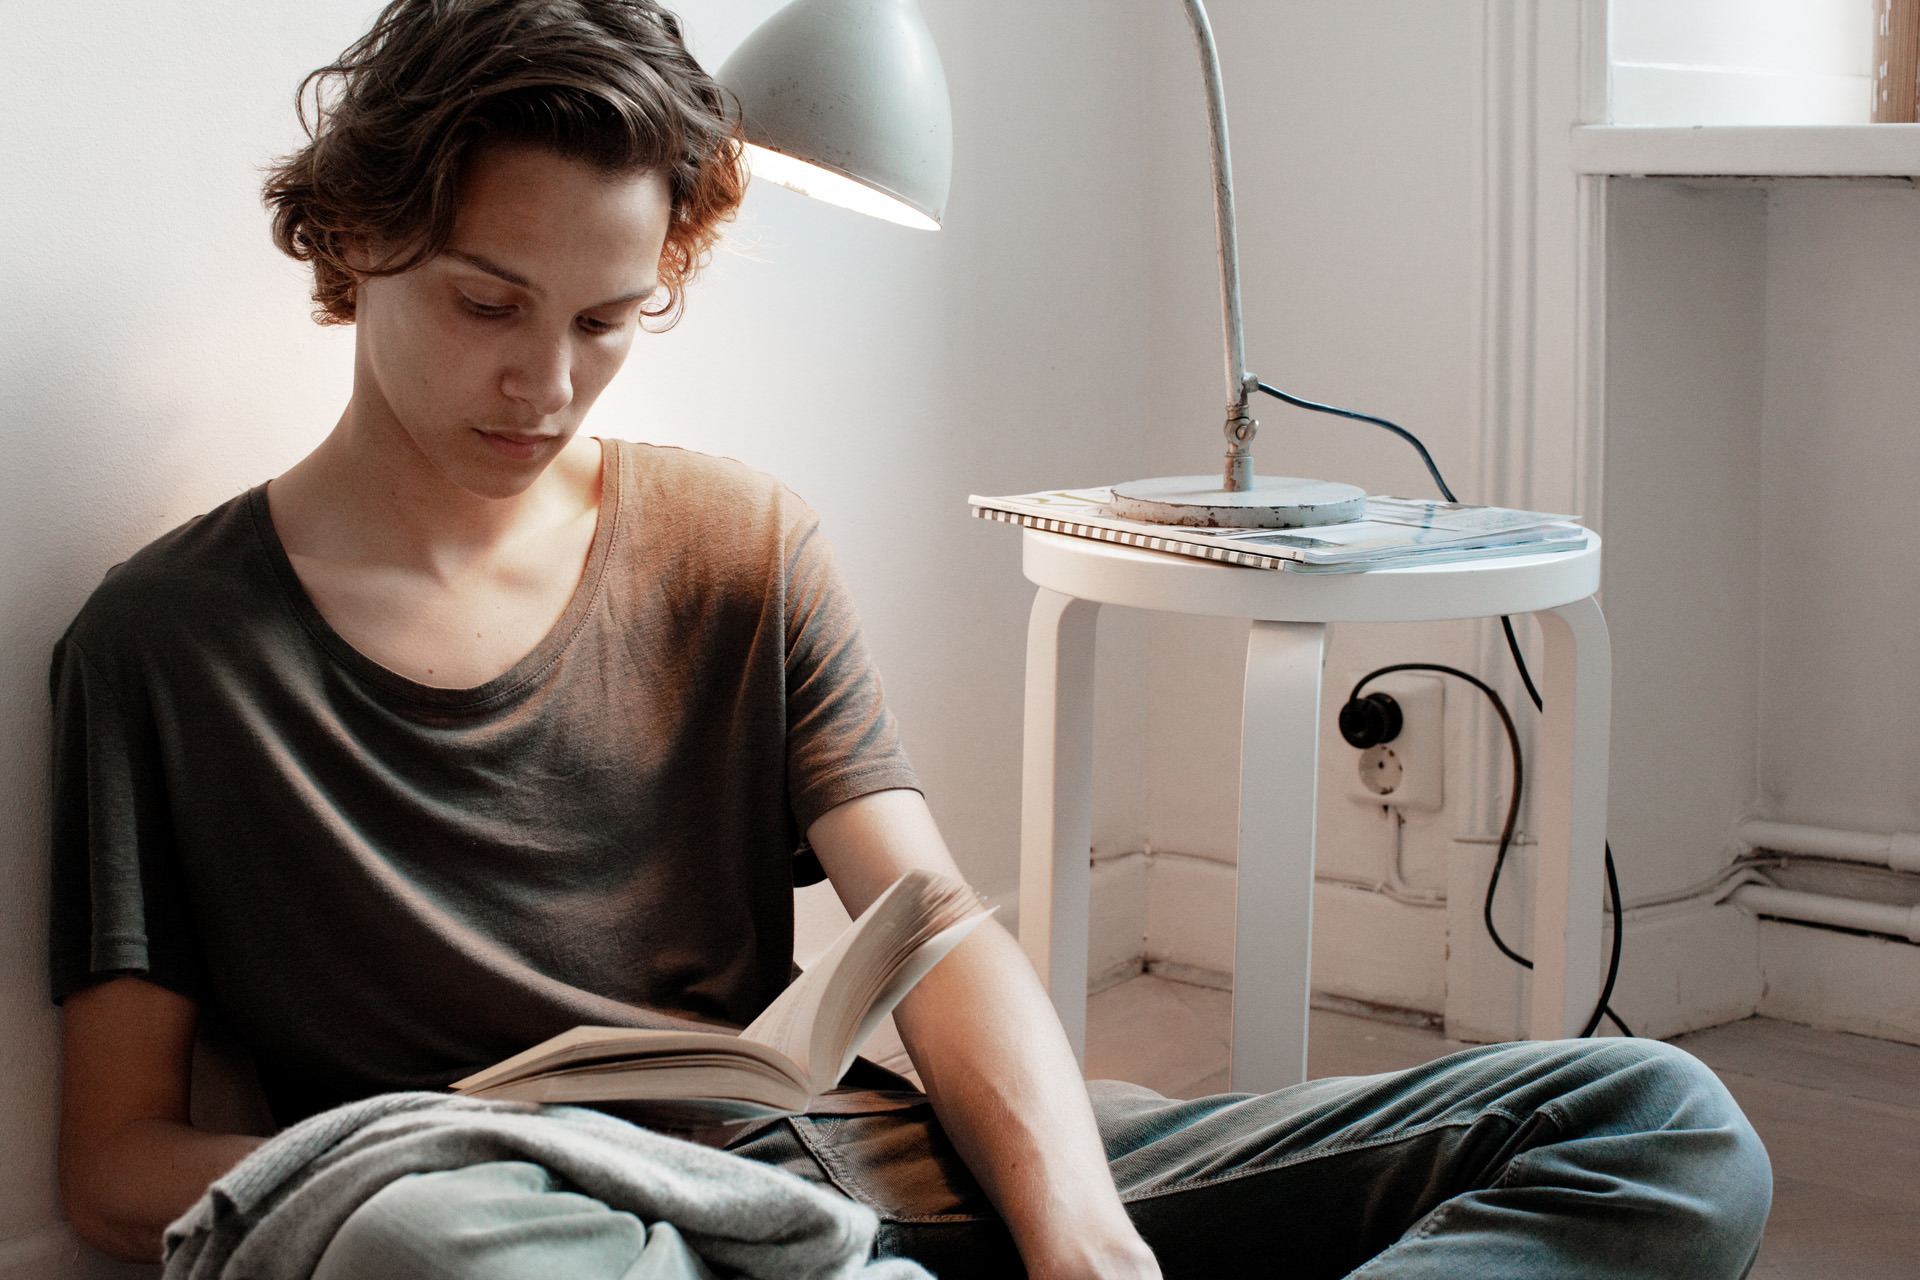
(1192, 975)
(1117, 925)
(1486, 992)
(1174, 915)
(1373, 950)
(1839, 981)
(1685, 966)
(1190, 912)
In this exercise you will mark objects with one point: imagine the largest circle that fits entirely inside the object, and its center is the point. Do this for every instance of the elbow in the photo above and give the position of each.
(92, 1219)
(124, 1241)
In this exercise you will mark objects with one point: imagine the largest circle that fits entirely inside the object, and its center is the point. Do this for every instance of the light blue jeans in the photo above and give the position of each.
(1580, 1160)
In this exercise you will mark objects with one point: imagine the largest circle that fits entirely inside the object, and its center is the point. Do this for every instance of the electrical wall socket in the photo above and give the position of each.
(1407, 772)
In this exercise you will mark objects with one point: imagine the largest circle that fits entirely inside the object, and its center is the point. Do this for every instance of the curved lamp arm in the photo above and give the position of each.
(846, 100)
(1240, 425)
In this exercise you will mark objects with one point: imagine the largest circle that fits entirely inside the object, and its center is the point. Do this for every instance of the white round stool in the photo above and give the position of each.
(1279, 756)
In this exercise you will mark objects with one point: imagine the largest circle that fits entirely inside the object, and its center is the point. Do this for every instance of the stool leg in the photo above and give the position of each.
(1056, 802)
(1570, 802)
(1273, 929)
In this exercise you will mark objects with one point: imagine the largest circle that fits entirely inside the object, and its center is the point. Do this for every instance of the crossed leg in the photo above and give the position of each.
(1580, 1160)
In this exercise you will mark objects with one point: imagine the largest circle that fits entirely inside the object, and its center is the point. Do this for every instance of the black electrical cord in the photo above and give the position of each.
(1402, 432)
(1613, 878)
(1439, 482)
(1601, 1008)
(1513, 802)
(1520, 663)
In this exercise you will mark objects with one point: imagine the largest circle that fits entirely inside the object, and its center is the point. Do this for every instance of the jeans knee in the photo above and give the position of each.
(1711, 1155)
(1665, 1085)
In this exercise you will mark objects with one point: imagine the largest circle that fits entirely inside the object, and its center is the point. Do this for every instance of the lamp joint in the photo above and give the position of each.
(1240, 429)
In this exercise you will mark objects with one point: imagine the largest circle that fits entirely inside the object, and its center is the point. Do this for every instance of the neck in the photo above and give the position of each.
(369, 494)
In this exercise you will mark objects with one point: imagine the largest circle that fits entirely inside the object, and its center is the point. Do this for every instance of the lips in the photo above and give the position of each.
(516, 446)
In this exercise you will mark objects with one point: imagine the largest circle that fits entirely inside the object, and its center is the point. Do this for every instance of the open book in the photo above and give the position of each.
(795, 1050)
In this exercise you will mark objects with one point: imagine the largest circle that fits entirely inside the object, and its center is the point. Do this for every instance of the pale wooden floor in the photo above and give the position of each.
(1840, 1114)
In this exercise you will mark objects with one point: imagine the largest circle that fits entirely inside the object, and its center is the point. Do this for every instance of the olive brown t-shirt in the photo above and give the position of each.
(379, 884)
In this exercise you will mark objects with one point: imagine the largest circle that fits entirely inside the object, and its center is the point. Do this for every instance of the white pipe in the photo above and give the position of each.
(1900, 850)
(1819, 908)
(1397, 887)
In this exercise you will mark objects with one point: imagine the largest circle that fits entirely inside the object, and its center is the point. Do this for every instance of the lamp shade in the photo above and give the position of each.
(846, 100)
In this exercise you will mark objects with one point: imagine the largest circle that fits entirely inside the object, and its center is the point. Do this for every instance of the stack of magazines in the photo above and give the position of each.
(1394, 533)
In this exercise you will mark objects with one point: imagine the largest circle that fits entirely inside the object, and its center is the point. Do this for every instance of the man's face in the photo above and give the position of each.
(485, 359)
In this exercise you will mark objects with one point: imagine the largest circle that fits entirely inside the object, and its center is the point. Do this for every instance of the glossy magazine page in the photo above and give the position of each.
(1394, 531)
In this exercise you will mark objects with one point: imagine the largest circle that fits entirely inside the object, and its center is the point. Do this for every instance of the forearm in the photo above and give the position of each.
(1009, 1094)
(994, 1060)
(121, 1195)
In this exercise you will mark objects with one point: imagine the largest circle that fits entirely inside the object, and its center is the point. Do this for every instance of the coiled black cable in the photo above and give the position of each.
(1602, 1009)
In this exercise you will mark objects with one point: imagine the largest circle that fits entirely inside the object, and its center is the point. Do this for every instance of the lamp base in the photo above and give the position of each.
(1274, 502)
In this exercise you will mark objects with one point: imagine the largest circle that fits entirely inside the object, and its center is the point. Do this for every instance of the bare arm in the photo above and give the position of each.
(993, 1058)
(129, 1161)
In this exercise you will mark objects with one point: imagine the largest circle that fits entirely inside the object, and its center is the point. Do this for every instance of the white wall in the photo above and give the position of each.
(158, 358)
(1740, 61)
(1687, 304)
(1761, 580)
(1839, 720)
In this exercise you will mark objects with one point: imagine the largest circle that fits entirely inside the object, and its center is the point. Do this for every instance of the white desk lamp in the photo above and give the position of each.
(845, 100)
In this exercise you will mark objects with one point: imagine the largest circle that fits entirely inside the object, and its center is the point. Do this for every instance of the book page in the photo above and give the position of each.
(587, 1047)
(729, 1088)
(786, 1024)
(919, 964)
(815, 1021)
(887, 959)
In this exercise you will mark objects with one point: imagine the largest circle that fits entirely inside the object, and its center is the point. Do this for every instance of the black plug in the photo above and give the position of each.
(1370, 720)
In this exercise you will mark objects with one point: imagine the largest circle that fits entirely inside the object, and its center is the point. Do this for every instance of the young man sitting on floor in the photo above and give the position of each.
(471, 727)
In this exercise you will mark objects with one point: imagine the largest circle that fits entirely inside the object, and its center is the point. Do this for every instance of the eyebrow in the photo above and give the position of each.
(492, 268)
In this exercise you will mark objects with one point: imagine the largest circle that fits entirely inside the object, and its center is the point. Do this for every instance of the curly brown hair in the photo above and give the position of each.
(392, 124)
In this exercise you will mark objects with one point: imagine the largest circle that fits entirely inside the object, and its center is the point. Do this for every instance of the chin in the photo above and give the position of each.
(501, 482)
(487, 471)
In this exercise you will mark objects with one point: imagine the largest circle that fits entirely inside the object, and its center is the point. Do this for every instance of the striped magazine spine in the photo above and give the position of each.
(1223, 555)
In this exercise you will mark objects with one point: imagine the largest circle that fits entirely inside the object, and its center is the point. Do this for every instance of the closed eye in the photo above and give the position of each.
(485, 309)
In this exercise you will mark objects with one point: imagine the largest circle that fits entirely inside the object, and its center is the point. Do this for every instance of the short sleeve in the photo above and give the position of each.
(118, 901)
(842, 742)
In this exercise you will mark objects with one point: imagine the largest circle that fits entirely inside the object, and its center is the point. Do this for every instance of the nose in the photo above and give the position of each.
(540, 375)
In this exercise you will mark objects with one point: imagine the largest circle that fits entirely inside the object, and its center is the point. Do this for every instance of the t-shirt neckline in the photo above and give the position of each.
(515, 679)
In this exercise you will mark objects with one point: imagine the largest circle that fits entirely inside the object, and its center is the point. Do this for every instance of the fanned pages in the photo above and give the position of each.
(797, 1049)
